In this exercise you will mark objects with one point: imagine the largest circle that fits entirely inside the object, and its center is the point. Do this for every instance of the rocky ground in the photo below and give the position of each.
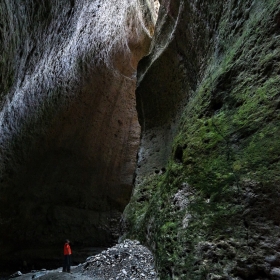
(127, 260)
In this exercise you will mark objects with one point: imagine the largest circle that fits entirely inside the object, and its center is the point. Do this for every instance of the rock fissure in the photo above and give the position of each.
(220, 144)
(203, 190)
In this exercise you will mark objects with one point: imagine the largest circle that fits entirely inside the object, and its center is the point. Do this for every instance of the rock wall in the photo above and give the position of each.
(206, 198)
(69, 132)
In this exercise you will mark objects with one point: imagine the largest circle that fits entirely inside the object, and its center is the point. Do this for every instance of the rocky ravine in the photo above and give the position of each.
(206, 195)
(125, 261)
(69, 132)
(206, 200)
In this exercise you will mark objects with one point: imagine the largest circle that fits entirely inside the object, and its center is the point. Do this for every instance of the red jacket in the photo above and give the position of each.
(67, 249)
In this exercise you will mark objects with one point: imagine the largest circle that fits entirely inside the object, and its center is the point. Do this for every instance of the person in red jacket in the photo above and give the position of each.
(67, 256)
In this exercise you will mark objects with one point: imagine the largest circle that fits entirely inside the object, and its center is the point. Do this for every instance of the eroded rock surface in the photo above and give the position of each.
(206, 199)
(69, 132)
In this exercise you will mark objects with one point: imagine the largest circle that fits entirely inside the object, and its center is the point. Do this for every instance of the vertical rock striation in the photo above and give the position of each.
(206, 199)
(69, 131)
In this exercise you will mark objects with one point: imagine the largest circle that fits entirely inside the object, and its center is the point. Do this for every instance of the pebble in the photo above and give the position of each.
(16, 274)
(275, 272)
(127, 260)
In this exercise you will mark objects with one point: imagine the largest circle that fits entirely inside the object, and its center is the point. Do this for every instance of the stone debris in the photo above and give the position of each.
(127, 260)
(276, 272)
(16, 274)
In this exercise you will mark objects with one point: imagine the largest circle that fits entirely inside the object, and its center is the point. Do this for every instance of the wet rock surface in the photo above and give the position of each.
(127, 260)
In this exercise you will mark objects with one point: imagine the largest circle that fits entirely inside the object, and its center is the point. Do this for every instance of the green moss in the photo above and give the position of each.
(229, 135)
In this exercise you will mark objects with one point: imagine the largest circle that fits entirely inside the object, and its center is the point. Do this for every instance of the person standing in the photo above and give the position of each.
(67, 256)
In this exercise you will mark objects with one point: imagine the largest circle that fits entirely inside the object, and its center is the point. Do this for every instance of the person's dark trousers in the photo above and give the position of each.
(66, 263)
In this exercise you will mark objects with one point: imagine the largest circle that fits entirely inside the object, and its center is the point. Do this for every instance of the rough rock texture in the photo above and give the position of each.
(127, 260)
(69, 131)
(206, 199)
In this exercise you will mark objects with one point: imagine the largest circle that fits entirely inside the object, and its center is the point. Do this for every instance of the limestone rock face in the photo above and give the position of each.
(167, 77)
(206, 199)
(69, 131)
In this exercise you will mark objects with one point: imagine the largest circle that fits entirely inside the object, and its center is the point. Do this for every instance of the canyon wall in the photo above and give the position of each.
(69, 131)
(206, 195)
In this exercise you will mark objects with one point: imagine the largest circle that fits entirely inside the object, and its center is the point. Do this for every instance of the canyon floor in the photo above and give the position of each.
(127, 260)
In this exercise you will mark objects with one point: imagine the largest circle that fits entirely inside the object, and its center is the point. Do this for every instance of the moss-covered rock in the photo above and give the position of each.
(214, 213)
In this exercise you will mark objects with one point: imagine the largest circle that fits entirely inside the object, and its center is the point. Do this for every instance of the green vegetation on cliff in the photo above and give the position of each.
(214, 213)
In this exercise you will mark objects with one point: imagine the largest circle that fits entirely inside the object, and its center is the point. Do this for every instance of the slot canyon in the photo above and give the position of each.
(154, 121)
